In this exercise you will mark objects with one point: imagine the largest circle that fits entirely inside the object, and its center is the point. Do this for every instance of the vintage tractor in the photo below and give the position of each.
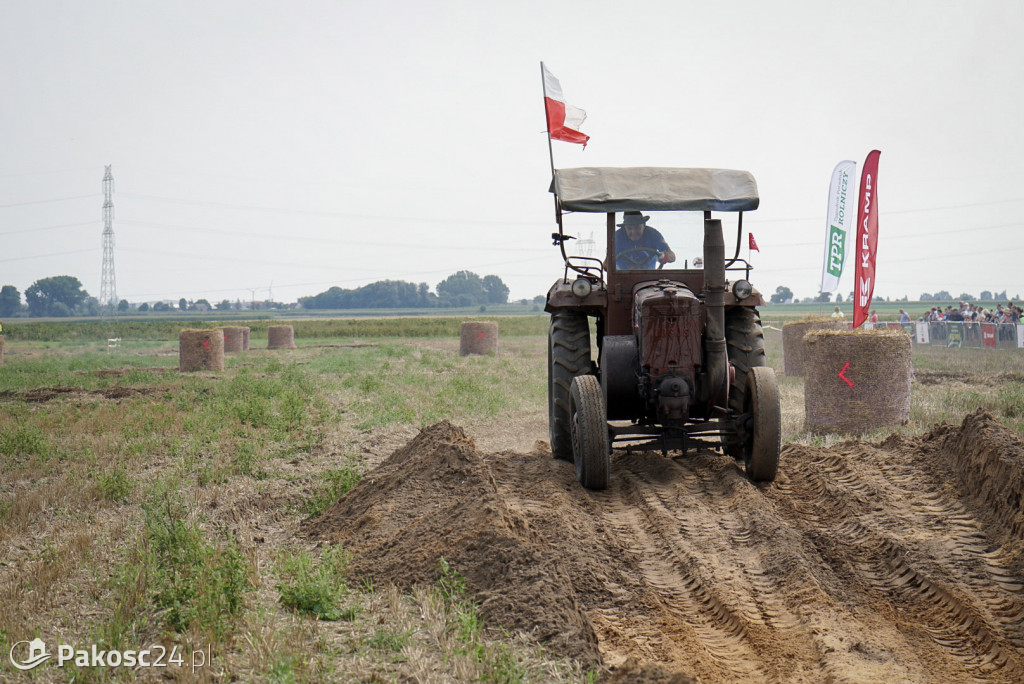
(680, 360)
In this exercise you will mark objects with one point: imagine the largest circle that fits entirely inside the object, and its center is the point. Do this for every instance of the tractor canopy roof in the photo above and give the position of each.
(651, 188)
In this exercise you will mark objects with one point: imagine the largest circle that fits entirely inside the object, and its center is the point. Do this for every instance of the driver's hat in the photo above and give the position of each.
(633, 218)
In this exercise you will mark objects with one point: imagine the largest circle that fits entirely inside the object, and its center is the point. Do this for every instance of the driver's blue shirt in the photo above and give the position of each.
(651, 239)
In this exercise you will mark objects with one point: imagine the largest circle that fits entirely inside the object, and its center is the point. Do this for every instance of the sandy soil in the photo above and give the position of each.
(896, 561)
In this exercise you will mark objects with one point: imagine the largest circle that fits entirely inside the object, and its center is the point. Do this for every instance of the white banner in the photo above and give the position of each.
(840, 217)
(922, 332)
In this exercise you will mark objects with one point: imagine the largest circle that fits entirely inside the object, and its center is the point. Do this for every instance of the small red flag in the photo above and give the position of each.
(753, 245)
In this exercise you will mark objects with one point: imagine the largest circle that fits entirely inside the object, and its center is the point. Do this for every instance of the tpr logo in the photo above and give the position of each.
(36, 654)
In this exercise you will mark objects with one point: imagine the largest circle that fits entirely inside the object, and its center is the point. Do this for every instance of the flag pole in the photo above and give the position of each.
(547, 126)
(551, 154)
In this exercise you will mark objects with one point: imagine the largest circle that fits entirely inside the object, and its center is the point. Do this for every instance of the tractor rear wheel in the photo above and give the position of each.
(568, 357)
(744, 339)
(589, 432)
(764, 431)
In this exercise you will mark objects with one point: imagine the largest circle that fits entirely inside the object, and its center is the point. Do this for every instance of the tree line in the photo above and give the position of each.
(461, 289)
(61, 296)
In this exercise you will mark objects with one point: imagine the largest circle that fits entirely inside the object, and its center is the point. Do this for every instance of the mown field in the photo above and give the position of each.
(141, 506)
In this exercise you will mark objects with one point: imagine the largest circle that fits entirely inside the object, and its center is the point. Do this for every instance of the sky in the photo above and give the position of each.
(269, 149)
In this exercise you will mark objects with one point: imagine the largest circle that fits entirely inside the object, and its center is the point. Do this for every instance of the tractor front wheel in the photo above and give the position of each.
(589, 432)
(744, 338)
(764, 427)
(568, 357)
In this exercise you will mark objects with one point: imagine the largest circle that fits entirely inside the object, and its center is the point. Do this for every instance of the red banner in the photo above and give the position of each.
(988, 335)
(867, 239)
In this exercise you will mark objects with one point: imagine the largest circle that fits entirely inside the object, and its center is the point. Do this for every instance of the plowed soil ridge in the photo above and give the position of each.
(897, 561)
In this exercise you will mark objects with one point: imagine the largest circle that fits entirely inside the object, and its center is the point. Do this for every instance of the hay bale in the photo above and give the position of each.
(793, 349)
(201, 350)
(236, 338)
(280, 337)
(857, 380)
(478, 337)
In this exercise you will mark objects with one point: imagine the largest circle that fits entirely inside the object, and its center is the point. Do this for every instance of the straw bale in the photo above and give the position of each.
(793, 350)
(879, 374)
(201, 350)
(280, 337)
(236, 338)
(478, 337)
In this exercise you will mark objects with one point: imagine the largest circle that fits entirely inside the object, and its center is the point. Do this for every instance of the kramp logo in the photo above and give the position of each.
(36, 654)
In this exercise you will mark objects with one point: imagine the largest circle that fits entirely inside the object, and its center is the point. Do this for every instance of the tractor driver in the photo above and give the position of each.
(638, 246)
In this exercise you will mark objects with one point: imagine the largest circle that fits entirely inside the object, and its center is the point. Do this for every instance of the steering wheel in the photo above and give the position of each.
(636, 258)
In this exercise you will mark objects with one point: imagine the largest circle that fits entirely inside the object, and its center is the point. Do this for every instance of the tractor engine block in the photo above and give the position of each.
(668, 321)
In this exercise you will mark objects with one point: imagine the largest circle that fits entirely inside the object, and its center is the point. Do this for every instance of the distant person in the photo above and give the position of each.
(904, 316)
(838, 313)
(639, 246)
(874, 316)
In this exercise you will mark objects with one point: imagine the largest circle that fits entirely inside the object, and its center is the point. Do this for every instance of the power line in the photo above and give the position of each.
(886, 212)
(240, 260)
(48, 201)
(340, 241)
(905, 236)
(41, 228)
(51, 254)
(311, 212)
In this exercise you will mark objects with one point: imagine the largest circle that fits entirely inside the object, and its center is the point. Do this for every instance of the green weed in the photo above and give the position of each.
(497, 662)
(248, 458)
(191, 581)
(114, 484)
(451, 588)
(390, 640)
(24, 440)
(284, 669)
(316, 588)
(127, 610)
(1011, 401)
(336, 482)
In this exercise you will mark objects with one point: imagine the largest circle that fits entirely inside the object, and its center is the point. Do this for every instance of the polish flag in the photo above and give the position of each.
(563, 119)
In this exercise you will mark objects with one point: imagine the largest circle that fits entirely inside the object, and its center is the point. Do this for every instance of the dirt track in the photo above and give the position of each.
(899, 561)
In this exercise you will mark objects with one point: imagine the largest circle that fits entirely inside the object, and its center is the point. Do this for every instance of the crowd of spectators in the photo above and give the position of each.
(967, 312)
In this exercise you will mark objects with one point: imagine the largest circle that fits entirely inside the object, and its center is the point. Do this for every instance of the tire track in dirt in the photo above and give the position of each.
(684, 595)
(862, 563)
(712, 549)
(912, 550)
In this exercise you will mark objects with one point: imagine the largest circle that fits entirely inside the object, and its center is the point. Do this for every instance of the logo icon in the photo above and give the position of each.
(36, 654)
(836, 251)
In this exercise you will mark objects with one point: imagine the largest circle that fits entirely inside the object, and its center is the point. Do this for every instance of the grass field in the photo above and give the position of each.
(141, 506)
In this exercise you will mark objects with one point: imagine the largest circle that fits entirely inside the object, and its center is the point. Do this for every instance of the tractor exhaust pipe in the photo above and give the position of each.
(714, 286)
